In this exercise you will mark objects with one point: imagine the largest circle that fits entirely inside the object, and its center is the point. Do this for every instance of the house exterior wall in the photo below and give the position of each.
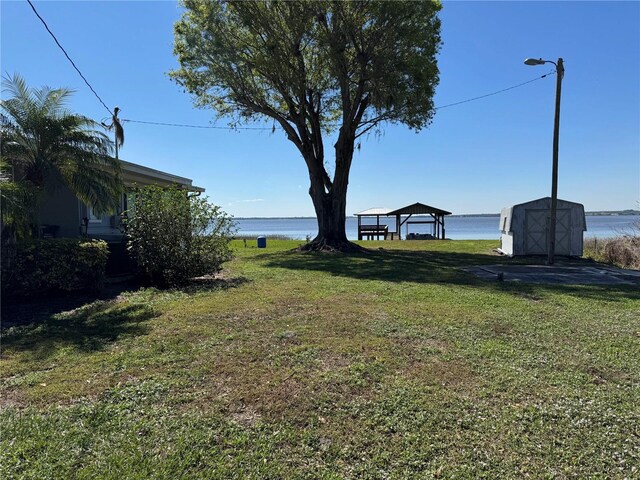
(60, 207)
(62, 210)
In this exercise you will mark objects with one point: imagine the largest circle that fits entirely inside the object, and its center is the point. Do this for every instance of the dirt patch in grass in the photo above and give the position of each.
(456, 375)
(530, 297)
(330, 361)
(245, 415)
(11, 398)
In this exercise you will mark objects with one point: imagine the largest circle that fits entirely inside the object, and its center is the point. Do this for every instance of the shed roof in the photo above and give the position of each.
(418, 209)
(547, 200)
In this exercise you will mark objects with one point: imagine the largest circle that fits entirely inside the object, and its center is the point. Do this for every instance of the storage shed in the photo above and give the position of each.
(524, 228)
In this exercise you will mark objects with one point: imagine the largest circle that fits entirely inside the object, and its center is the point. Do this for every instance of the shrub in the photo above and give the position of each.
(44, 265)
(623, 251)
(174, 235)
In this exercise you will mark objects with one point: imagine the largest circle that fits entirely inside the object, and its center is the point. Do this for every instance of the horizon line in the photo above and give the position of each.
(309, 217)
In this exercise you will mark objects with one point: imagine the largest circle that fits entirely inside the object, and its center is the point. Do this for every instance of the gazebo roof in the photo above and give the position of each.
(373, 212)
(418, 209)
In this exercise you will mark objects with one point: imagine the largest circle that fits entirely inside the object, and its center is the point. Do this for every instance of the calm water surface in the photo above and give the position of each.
(457, 228)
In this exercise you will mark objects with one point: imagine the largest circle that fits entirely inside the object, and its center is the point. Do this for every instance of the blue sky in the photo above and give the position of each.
(474, 158)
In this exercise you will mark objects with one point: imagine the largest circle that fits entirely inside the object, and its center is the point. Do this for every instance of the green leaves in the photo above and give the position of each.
(358, 62)
(175, 236)
(55, 264)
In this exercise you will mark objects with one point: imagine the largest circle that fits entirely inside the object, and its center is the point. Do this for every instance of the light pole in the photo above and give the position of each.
(554, 175)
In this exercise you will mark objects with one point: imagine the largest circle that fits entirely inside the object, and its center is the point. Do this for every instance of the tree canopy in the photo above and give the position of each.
(313, 67)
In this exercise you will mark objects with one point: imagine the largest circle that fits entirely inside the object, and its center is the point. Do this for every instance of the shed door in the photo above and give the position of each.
(563, 231)
(536, 231)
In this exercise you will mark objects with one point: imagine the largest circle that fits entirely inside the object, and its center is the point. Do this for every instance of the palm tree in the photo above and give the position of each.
(43, 142)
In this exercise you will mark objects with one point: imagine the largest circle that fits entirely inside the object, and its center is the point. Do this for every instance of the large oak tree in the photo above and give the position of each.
(316, 68)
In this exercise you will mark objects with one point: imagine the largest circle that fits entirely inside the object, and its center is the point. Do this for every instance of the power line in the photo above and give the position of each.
(68, 57)
(495, 93)
(267, 128)
(193, 126)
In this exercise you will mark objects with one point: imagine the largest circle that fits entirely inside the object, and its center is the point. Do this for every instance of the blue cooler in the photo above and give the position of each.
(262, 241)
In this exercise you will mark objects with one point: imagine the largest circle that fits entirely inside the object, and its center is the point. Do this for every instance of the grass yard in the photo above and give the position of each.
(393, 364)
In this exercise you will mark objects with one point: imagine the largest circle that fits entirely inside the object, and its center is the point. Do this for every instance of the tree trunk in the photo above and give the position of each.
(331, 215)
(331, 204)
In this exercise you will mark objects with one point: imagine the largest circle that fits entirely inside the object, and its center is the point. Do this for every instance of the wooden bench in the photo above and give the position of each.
(371, 231)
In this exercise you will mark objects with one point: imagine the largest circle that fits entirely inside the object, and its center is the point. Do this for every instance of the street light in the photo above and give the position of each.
(556, 132)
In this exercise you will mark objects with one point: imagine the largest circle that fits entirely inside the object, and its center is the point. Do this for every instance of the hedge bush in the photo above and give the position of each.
(45, 265)
(174, 235)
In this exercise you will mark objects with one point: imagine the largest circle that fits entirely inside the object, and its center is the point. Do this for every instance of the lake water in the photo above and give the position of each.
(457, 228)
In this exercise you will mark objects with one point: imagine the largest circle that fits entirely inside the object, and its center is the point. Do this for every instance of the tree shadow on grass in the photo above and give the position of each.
(88, 328)
(209, 283)
(39, 308)
(438, 267)
(89, 322)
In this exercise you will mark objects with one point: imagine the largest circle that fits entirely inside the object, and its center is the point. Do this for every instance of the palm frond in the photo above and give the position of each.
(44, 140)
(119, 131)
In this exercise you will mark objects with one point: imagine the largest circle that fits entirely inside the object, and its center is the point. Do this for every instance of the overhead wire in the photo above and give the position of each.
(193, 126)
(184, 125)
(68, 57)
(495, 93)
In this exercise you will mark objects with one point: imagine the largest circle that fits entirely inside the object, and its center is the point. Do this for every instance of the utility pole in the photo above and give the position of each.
(554, 171)
(551, 246)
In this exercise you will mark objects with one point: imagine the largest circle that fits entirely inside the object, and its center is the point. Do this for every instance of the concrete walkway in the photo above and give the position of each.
(559, 275)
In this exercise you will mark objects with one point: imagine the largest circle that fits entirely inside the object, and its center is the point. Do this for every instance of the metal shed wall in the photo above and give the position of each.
(524, 228)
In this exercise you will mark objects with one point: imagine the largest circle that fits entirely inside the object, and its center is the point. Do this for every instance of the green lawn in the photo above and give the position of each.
(393, 364)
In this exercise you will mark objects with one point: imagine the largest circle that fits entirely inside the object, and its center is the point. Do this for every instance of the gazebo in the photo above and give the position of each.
(377, 230)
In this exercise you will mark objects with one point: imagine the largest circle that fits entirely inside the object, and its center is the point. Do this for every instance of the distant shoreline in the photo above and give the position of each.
(591, 214)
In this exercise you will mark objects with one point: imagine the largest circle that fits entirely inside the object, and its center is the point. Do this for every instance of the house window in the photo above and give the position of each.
(92, 216)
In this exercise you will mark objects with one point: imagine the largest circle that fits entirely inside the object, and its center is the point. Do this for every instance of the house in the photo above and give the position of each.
(524, 228)
(63, 215)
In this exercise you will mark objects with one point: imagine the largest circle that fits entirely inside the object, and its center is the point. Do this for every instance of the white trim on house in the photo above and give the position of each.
(133, 173)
